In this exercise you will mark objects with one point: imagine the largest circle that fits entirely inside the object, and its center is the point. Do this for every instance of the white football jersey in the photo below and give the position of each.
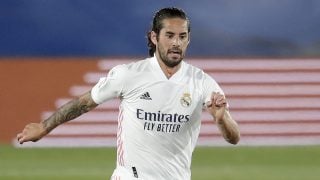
(159, 118)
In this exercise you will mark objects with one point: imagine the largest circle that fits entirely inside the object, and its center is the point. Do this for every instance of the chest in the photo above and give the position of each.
(164, 96)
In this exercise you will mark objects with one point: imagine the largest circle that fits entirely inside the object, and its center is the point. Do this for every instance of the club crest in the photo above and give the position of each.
(185, 100)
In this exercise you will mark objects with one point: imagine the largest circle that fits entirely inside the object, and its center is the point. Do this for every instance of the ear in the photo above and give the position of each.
(153, 37)
(189, 38)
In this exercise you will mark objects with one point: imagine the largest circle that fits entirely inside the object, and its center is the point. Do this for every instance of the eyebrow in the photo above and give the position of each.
(171, 33)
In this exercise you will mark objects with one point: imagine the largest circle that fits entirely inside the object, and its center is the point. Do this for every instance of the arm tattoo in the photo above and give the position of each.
(69, 111)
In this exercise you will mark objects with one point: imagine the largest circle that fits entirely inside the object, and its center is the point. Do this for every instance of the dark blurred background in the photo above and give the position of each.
(266, 28)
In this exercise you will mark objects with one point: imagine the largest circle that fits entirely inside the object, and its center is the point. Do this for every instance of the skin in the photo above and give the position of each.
(171, 46)
(217, 107)
(71, 110)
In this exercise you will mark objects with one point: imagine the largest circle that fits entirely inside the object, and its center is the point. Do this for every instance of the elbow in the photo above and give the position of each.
(234, 139)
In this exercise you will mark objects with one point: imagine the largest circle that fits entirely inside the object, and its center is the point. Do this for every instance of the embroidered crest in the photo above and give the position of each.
(185, 100)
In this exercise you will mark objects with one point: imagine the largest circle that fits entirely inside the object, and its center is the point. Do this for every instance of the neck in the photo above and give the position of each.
(168, 71)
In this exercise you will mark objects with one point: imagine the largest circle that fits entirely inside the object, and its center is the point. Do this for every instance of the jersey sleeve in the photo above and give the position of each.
(210, 86)
(111, 86)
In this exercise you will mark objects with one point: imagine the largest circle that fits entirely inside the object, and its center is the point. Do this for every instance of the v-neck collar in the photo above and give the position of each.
(176, 77)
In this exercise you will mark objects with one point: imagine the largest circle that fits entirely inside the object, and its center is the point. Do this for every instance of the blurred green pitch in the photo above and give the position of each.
(214, 163)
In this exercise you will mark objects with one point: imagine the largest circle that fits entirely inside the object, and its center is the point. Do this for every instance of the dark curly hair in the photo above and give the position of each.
(159, 16)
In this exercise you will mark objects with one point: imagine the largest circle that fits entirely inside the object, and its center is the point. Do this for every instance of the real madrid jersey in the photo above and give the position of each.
(159, 118)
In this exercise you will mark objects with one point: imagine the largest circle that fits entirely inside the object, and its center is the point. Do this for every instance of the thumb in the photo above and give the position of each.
(208, 104)
(21, 138)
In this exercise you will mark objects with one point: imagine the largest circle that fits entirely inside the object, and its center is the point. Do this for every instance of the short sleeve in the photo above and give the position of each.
(210, 86)
(111, 86)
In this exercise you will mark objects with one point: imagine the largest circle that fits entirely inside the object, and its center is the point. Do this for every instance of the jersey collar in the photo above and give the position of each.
(176, 77)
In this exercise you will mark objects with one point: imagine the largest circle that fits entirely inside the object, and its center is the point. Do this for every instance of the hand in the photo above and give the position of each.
(217, 105)
(32, 132)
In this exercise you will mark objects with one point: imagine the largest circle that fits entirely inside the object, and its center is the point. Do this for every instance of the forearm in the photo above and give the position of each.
(229, 128)
(69, 111)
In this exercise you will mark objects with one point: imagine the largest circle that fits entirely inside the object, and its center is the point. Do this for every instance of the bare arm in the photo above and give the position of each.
(228, 126)
(67, 112)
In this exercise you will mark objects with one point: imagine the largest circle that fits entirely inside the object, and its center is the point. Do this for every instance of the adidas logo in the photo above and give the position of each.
(145, 96)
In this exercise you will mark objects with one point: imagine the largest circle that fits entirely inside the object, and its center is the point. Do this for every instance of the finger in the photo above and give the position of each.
(213, 97)
(221, 105)
(208, 104)
(216, 95)
(221, 101)
(21, 139)
(218, 99)
(19, 136)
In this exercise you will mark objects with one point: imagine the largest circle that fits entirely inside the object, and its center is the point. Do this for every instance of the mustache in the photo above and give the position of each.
(175, 50)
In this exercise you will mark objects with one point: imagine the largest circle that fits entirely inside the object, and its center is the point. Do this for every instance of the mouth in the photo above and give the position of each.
(175, 51)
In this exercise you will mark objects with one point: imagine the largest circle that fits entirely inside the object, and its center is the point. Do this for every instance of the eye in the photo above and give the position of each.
(170, 36)
(183, 37)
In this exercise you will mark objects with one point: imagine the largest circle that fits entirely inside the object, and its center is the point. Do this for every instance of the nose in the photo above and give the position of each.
(176, 42)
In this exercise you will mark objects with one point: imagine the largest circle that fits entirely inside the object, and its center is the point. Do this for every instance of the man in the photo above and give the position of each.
(162, 98)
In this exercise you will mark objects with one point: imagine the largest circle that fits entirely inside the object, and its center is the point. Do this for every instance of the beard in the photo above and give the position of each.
(170, 62)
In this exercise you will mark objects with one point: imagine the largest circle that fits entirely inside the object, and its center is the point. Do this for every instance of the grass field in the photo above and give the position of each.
(217, 163)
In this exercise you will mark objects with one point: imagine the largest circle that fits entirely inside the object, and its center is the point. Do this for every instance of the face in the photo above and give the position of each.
(172, 42)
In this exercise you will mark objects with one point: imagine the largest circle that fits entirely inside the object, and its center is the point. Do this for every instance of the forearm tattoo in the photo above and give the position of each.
(69, 111)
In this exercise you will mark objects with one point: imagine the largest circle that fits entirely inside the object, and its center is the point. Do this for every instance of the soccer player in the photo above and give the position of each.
(162, 98)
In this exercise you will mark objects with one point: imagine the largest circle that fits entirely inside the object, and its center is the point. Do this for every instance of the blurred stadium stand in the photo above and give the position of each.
(275, 103)
(118, 28)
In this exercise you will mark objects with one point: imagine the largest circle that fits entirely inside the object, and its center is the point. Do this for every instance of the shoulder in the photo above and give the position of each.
(138, 65)
(194, 71)
(124, 69)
